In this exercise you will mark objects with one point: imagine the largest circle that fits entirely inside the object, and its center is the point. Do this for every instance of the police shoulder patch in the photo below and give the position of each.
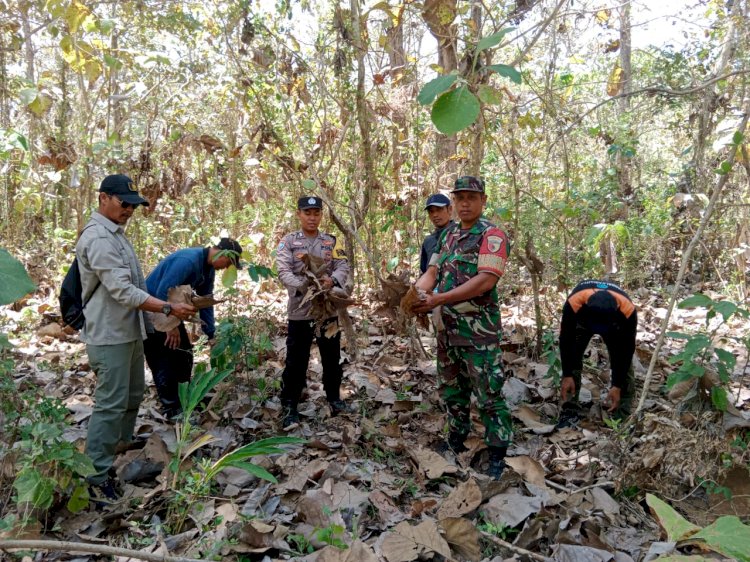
(281, 245)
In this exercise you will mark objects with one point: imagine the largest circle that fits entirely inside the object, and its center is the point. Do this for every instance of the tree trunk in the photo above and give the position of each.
(623, 110)
(435, 12)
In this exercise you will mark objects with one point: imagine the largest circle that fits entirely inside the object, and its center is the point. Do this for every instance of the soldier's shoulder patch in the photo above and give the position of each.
(494, 243)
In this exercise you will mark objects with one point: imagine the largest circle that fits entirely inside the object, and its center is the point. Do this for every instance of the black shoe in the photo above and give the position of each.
(341, 407)
(454, 443)
(497, 462)
(104, 494)
(568, 418)
(290, 417)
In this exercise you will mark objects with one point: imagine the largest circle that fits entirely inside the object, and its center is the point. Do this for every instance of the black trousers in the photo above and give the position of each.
(298, 341)
(169, 367)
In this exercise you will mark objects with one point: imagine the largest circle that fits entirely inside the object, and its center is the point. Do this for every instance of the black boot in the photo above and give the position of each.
(340, 407)
(454, 443)
(290, 416)
(497, 462)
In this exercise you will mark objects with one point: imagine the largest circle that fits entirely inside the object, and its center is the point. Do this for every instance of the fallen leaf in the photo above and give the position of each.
(531, 470)
(431, 464)
(511, 508)
(574, 553)
(463, 537)
(464, 499)
(357, 552)
(388, 513)
(405, 542)
(531, 419)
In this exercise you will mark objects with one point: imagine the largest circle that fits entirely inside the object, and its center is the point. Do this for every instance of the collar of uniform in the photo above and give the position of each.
(301, 234)
(438, 231)
(477, 228)
(99, 218)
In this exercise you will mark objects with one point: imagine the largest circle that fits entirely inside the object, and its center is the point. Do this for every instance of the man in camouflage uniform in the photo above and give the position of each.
(291, 268)
(469, 261)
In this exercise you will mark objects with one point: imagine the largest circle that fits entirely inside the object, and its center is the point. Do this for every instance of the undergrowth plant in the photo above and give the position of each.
(703, 352)
(192, 482)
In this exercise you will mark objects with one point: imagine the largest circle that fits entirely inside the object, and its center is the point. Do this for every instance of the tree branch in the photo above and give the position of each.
(70, 547)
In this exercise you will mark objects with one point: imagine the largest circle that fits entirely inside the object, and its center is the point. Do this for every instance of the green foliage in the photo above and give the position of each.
(455, 110)
(701, 351)
(14, 281)
(331, 535)
(675, 525)
(300, 545)
(494, 39)
(242, 341)
(48, 467)
(435, 87)
(501, 531)
(727, 535)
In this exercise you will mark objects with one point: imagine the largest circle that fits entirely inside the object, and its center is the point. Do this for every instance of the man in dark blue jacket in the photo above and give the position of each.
(440, 211)
(170, 354)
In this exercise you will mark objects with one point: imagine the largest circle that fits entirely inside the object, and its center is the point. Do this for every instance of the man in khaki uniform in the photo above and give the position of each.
(290, 265)
(114, 291)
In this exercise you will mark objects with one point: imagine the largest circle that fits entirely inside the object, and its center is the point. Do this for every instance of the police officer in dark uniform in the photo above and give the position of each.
(309, 240)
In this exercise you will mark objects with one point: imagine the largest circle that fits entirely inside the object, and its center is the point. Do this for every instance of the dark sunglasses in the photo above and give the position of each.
(123, 204)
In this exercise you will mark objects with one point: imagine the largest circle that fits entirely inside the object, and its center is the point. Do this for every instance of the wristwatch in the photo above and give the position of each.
(166, 309)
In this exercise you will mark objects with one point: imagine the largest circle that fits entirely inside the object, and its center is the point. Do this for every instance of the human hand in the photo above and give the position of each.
(612, 401)
(183, 311)
(427, 304)
(173, 338)
(326, 282)
(567, 388)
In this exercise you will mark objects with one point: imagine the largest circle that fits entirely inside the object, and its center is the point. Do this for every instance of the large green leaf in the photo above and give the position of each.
(674, 524)
(79, 499)
(507, 71)
(719, 398)
(698, 299)
(28, 95)
(455, 110)
(728, 536)
(35, 489)
(489, 95)
(434, 88)
(494, 39)
(14, 281)
(229, 277)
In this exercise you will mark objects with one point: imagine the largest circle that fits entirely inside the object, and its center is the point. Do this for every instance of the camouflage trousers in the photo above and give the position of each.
(463, 369)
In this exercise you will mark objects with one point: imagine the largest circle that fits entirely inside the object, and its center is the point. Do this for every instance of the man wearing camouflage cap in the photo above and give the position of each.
(470, 259)
(290, 254)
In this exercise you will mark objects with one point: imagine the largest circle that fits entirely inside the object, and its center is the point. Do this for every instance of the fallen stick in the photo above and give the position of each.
(70, 547)
(516, 549)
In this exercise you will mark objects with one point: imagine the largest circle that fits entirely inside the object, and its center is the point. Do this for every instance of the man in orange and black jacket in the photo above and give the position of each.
(597, 307)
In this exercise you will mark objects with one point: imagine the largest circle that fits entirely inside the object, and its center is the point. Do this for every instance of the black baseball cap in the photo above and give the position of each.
(234, 247)
(309, 202)
(437, 200)
(469, 183)
(122, 186)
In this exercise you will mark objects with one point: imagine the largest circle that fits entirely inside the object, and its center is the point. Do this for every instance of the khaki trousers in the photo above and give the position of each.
(119, 392)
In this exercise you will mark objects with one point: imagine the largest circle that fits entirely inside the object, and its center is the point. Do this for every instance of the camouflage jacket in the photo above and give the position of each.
(463, 254)
(290, 266)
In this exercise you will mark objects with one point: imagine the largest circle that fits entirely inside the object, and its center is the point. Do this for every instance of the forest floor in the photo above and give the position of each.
(371, 486)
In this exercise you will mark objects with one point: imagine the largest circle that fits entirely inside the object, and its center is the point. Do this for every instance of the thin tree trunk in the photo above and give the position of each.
(624, 163)
(446, 35)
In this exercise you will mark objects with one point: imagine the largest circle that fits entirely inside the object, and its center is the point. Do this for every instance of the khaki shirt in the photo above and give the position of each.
(106, 257)
(290, 265)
